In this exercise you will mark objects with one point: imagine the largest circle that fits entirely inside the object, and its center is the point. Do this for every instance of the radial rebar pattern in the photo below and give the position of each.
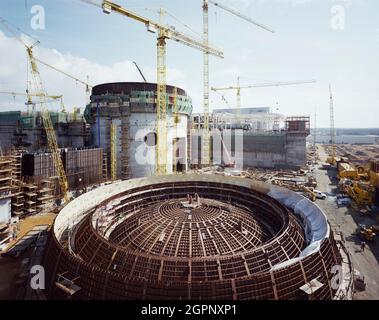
(189, 240)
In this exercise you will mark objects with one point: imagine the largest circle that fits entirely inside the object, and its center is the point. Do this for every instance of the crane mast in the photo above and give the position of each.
(205, 157)
(238, 100)
(315, 129)
(176, 122)
(332, 130)
(206, 134)
(48, 125)
(161, 150)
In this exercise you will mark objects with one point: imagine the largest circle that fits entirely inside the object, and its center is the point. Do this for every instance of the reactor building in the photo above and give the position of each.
(191, 237)
(130, 107)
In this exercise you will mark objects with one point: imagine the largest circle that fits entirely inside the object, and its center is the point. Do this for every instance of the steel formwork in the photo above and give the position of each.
(189, 240)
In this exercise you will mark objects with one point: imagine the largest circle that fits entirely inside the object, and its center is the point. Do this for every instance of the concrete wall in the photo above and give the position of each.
(141, 155)
(68, 135)
(269, 150)
(5, 210)
(296, 154)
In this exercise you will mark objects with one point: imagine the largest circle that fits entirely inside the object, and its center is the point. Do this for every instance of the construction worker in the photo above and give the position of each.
(363, 246)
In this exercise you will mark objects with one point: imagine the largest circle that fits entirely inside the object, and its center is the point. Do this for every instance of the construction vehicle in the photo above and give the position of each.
(238, 89)
(308, 193)
(362, 193)
(366, 233)
(312, 182)
(206, 134)
(349, 171)
(41, 95)
(164, 32)
(319, 194)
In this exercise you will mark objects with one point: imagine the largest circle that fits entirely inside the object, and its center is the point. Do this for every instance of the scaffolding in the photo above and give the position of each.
(30, 196)
(45, 195)
(125, 148)
(298, 125)
(5, 177)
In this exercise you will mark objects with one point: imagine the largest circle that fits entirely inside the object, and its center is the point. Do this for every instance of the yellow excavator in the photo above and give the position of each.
(309, 194)
(361, 193)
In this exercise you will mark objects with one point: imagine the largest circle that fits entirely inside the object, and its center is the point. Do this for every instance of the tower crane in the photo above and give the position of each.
(47, 123)
(206, 133)
(164, 32)
(332, 159)
(86, 83)
(238, 88)
(29, 96)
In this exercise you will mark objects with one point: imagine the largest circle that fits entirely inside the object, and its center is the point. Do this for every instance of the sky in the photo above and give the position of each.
(331, 41)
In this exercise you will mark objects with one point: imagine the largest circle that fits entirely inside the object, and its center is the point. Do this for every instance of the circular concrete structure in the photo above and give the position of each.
(130, 108)
(191, 237)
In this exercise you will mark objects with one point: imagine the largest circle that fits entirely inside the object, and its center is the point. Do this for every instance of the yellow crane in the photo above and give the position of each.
(85, 83)
(332, 158)
(48, 125)
(164, 32)
(176, 122)
(50, 133)
(238, 89)
(30, 95)
(206, 134)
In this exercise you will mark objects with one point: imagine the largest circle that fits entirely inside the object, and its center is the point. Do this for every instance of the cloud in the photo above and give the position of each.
(14, 66)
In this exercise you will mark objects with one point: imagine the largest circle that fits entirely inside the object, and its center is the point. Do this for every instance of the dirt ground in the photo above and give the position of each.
(358, 154)
(10, 268)
(28, 223)
(346, 220)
